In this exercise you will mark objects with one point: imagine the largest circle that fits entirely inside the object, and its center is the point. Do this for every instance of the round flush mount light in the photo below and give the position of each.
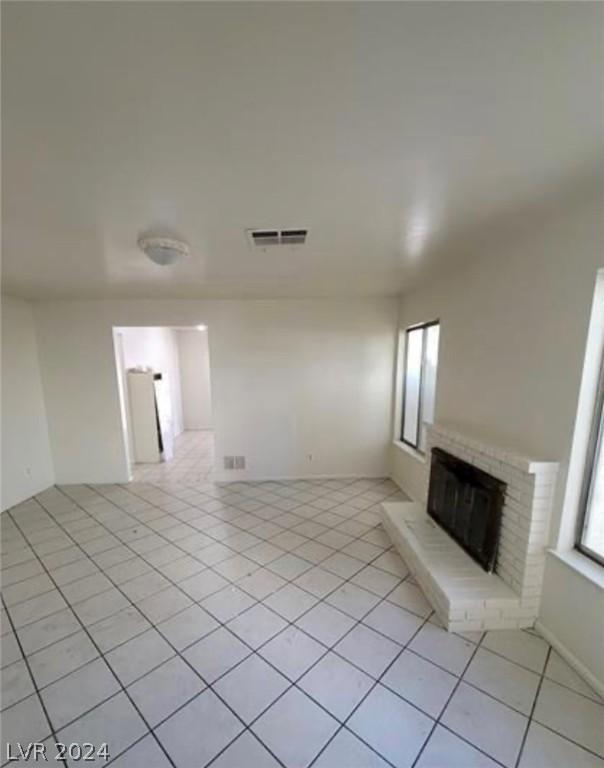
(163, 250)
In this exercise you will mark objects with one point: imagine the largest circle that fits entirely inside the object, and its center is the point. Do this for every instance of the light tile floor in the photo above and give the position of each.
(193, 461)
(257, 625)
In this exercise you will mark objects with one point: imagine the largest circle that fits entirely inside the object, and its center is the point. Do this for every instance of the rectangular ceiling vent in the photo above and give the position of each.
(262, 238)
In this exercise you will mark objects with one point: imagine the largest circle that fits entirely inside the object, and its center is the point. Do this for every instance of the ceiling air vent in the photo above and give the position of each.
(262, 238)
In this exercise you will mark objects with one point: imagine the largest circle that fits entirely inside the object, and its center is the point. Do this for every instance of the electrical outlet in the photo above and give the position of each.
(229, 462)
(239, 462)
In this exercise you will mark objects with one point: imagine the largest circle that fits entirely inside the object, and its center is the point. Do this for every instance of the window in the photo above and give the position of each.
(591, 512)
(419, 382)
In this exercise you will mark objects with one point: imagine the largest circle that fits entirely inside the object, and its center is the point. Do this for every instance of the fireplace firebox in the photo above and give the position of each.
(467, 502)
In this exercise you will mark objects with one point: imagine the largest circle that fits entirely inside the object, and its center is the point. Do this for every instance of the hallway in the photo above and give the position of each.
(193, 461)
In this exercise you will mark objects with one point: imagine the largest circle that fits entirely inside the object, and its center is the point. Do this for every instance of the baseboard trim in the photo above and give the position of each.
(570, 658)
(35, 491)
(288, 478)
(410, 496)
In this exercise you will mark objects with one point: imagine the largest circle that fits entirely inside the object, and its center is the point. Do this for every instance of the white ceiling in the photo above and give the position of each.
(391, 130)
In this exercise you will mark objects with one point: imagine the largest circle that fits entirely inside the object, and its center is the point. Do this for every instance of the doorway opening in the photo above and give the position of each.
(166, 402)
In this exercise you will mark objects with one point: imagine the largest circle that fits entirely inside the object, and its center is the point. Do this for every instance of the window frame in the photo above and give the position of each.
(595, 448)
(416, 327)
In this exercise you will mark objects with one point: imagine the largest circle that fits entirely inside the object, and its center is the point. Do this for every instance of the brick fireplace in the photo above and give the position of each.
(463, 595)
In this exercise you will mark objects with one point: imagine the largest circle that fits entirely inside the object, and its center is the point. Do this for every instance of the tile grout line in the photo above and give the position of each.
(234, 584)
(209, 686)
(65, 584)
(119, 682)
(568, 738)
(376, 682)
(380, 596)
(315, 565)
(379, 681)
(125, 544)
(365, 564)
(288, 581)
(292, 582)
(446, 704)
(178, 654)
(358, 621)
(533, 707)
(135, 604)
(329, 649)
(294, 682)
(36, 692)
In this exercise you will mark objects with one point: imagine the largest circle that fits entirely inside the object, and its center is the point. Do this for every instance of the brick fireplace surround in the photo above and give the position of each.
(463, 595)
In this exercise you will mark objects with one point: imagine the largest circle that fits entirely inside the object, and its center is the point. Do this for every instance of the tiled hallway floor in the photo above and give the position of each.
(261, 625)
(192, 463)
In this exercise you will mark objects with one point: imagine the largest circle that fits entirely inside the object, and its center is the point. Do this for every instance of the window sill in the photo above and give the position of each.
(417, 455)
(582, 565)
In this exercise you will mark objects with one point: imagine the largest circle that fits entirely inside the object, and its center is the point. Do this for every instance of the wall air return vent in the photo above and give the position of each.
(263, 238)
(293, 236)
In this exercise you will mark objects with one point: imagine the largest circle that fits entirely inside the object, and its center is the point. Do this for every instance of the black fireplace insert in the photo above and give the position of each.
(467, 503)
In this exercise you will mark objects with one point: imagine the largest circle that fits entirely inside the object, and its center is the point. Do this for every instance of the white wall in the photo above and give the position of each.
(298, 379)
(79, 376)
(26, 458)
(289, 378)
(157, 348)
(194, 358)
(513, 332)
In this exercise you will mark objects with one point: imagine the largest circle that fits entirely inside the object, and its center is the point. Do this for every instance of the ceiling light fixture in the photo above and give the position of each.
(163, 250)
(417, 231)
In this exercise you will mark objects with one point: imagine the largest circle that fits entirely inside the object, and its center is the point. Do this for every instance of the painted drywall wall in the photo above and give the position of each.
(300, 387)
(572, 618)
(513, 332)
(26, 458)
(304, 387)
(194, 359)
(79, 376)
(157, 348)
